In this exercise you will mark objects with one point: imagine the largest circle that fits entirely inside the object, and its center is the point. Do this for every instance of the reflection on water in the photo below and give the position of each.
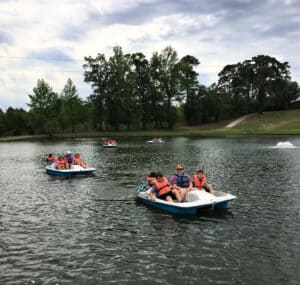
(90, 230)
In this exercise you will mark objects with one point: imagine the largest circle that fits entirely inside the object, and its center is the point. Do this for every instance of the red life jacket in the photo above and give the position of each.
(200, 184)
(52, 158)
(77, 160)
(62, 163)
(162, 187)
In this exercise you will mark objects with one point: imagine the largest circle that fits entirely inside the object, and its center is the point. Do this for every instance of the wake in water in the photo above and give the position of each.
(284, 145)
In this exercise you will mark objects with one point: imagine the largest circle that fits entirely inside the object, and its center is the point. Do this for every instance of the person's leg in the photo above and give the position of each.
(177, 194)
(169, 198)
(182, 192)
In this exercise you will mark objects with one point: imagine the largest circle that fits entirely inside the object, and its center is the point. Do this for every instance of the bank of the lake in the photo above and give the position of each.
(281, 123)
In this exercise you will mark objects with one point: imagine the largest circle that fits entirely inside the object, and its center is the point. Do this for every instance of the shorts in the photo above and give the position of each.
(171, 194)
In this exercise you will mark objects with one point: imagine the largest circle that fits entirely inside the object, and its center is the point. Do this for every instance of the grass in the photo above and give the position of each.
(269, 123)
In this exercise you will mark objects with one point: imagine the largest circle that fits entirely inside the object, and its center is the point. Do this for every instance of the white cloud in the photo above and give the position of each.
(48, 39)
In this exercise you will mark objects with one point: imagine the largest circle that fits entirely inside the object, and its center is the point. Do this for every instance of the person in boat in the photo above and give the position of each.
(77, 160)
(200, 182)
(162, 189)
(51, 158)
(181, 182)
(151, 178)
(109, 142)
(60, 163)
(69, 159)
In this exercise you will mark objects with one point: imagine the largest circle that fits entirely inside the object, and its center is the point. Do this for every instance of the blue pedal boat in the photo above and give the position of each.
(74, 171)
(195, 201)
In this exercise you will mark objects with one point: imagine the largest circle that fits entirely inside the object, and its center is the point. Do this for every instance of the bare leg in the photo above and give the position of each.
(182, 192)
(177, 194)
(169, 199)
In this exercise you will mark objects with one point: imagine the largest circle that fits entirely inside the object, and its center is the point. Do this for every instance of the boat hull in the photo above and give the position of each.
(155, 142)
(204, 201)
(69, 172)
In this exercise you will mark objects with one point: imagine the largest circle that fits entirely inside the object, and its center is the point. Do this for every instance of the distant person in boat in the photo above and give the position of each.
(69, 159)
(162, 189)
(51, 158)
(151, 178)
(181, 182)
(110, 141)
(77, 160)
(200, 182)
(157, 139)
(61, 163)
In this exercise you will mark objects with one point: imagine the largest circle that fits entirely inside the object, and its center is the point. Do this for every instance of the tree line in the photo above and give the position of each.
(132, 92)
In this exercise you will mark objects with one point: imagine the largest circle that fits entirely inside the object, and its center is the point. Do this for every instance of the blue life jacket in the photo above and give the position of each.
(69, 158)
(182, 180)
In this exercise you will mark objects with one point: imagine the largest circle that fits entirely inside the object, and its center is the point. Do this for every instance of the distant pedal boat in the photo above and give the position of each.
(155, 141)
(74, 171)
(110, 145)
(195, 201)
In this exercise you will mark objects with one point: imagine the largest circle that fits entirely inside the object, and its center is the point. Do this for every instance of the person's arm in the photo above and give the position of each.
(152, 197)
(173, 182)
(190, 186)
(152, 191)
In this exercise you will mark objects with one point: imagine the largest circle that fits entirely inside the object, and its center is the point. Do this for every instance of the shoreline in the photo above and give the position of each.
(280, 123)
(166, 134)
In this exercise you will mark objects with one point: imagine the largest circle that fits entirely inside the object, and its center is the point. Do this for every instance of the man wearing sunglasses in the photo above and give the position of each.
(181, 182)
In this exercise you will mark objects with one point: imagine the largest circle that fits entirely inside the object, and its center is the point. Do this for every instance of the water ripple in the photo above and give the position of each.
(90, 230)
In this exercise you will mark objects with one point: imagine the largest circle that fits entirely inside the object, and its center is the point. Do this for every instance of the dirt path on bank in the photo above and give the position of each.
(237, 121)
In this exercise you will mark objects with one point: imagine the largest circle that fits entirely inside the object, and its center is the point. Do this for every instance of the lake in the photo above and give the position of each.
(90, 230)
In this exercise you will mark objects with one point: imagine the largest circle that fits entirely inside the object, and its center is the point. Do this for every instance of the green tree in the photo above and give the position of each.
(119, 100)
(16, 121)
(141, 87)
(170, 81)
(97, 73)
(2, 123)
(43, 111)
(71, 107)
(268, 72)
(191, 89)
(251, 84)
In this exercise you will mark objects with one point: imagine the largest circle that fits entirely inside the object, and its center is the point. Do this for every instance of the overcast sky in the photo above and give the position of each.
(49, 39)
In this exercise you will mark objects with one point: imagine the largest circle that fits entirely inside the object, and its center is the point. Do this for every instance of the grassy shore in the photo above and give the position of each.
(269, 123)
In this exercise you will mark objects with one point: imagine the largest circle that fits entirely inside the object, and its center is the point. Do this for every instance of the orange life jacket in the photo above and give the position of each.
(62, 163)
(52, 158)
(77, 160)
(200, 184)
(162, 187)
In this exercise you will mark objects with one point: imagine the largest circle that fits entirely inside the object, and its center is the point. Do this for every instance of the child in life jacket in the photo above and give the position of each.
(162, 189)
(200, 182)
(151, 179)
(60, 163)
(77, 160)
(51, 158)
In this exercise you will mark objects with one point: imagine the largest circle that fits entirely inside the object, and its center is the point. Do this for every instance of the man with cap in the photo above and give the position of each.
(69, 159)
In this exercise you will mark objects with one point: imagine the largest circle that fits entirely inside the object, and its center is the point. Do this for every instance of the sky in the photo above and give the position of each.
(49, 39)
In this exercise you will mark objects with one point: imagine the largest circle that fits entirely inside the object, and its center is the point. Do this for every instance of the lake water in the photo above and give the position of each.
(90, 230)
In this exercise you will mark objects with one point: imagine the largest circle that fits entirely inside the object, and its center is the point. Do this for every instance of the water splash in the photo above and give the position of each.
(286, 144)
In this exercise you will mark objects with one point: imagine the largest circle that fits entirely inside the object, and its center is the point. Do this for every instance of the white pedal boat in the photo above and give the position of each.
(195, 200)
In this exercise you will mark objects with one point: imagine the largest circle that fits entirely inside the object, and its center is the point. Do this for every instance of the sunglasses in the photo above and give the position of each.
(179, 168)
